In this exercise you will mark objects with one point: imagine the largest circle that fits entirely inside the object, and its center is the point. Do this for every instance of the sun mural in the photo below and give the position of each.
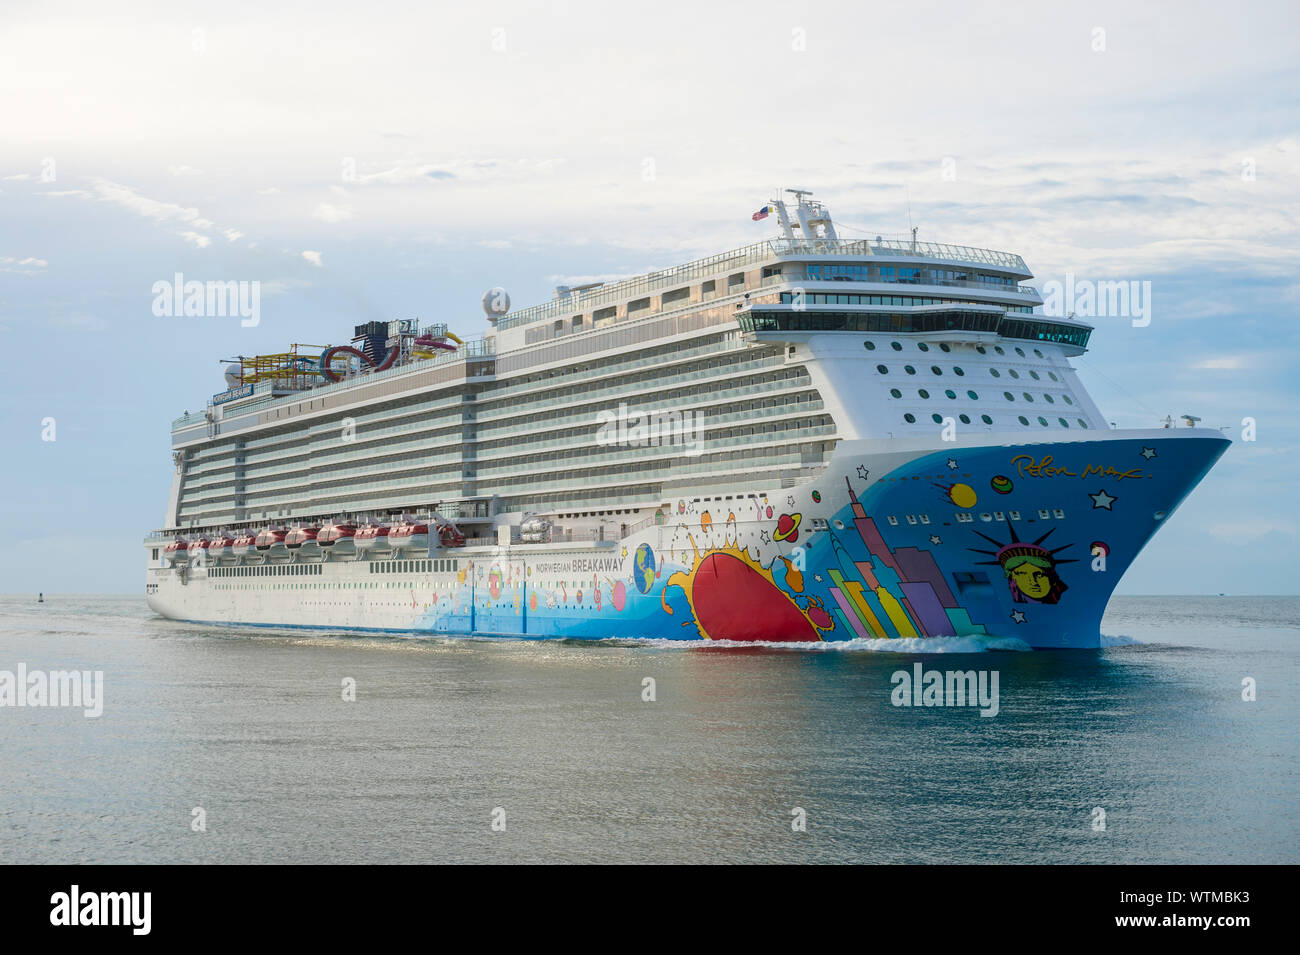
(733, 597)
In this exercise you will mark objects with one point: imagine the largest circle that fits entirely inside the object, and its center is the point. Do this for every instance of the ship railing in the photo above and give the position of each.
(786, 278)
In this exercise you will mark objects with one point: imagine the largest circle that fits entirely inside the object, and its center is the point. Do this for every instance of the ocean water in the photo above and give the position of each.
(555, 738)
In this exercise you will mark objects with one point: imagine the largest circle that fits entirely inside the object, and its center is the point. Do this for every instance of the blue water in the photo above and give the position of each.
(252, 727)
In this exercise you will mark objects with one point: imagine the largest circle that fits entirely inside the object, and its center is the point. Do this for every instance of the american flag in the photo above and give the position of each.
(761, 213)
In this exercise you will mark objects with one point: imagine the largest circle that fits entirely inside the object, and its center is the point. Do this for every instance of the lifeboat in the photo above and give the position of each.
(450, 536)
(338, 539)
(221, 548)
(372, 539)
(177, 552)
(243, 546)
(270, 542)
(409, 536)
(198, 550)
(302, 540)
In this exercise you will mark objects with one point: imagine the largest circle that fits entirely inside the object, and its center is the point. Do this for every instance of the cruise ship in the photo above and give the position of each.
(804, 439)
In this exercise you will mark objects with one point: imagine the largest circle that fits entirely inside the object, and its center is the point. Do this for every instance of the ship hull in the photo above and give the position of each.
(894, 541)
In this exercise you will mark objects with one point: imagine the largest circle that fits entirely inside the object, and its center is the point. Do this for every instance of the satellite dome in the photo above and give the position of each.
(233, 374)
(496, 303)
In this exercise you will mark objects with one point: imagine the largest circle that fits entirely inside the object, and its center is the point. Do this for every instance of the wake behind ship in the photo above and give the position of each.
(803, 439)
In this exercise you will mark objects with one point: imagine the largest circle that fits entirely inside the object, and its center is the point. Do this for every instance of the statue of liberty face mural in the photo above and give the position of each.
(1030, 568)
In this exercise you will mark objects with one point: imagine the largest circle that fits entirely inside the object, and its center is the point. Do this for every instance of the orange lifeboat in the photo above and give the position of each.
(270, 542)
(302, 540)
(178, 551)
(221, 548)
(409, 536)
(372, 539)
(338, 538)
(244, 545)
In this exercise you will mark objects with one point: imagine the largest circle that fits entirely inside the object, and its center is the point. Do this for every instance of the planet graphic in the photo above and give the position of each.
(681, 507)
(817, 497)
(494, 583)
(1002, 484)
(706, 521)
(963, 495)
(1099, 549)
(734, 601)
(619, 596)
(643, 569)
(769, 510)
(787, 528)
(532, 601)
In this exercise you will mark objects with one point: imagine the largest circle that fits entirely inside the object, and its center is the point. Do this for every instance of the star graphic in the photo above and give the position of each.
(765, 538)
(952, 464)
(817, 577)
(936, 539)
(789, 499)
(1018, 616)
(863, 472)
(1102, 499)
(1148, 453)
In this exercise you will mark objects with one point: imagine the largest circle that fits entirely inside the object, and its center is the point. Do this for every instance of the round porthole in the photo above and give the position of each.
(839, 524)
(1159, 515)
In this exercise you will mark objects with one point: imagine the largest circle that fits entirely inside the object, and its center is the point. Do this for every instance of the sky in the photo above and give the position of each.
(395, 160)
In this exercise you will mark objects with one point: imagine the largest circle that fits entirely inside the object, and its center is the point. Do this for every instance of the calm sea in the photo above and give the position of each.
(555, 739)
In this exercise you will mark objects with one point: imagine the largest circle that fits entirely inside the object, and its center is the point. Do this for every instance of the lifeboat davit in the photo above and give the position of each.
(302, 540)
(243, 546)
(372, 539)
(177, 552)
(338, 539)
(198, 549)
(270, 542)
(450, 536)
(221, 548)
(409, 536)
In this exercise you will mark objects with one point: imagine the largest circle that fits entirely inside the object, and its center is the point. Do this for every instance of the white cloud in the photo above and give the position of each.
(1226, 363)
(198, 239)
(184, 171)
(328, 212)
(232, 234)
(312, 257)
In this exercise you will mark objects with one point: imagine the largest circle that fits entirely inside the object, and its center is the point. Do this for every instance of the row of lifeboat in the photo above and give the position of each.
(342, 539)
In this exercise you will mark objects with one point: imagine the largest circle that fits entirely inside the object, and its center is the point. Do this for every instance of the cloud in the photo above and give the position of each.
(1227, 363)
(232, 234)
(198, 239)
(21, 177)
(29, 265)
(184, 171)
(328, 212)
(313, 258)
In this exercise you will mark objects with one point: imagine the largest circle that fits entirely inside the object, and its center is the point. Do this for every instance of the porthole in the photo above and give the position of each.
(1042, 421)
(952, 395)
(1082, 423)
(1049, 399)
(944, 348)
(910, 418)
(1020, 352)
(936, 369)
(923, 393)
(909, 369)
(1008, 395)
(895, 393)
(1067, 399)
(973, 396)
(936, 418)
(839, 524)
(1038, 353)
(998, 349)
(1034, 375)
(1029, 397)
(965, 419)
(869, 346)
(986, 419)
(895, 346)
(980, 349)
(882, 369)
(1064, 423)
(1052, 375)
(1023, 420)
(956, 370)
(1013, 373)
(922, 346)
(995, 373)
